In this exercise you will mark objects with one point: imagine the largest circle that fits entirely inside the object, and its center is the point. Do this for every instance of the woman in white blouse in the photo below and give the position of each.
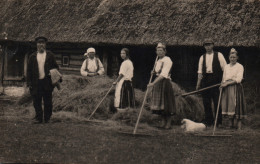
(163, 100)
(233, 101)
(124, 94)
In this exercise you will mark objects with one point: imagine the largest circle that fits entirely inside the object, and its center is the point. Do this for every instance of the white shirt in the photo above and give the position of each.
(92, 67)
(163, 67)
(41, 61)
(209, 60)
(127, 69)
(234, 72)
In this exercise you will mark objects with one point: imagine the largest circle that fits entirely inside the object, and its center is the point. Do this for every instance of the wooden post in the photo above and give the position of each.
(5, 73)
(2, 54)
(105, 60)
(26, 59)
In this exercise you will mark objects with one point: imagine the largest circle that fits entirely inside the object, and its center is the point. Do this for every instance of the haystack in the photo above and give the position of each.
(80, 95)
(187, 107)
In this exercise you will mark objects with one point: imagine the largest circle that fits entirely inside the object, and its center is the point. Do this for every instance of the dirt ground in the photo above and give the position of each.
(66, 140)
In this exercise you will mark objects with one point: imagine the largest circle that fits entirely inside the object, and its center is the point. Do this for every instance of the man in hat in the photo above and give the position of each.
(39, 79)
(91, 66)
(210, 72)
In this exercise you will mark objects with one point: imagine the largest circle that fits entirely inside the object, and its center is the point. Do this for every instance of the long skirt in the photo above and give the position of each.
(124, 94)
(163, 99)
(233, 102)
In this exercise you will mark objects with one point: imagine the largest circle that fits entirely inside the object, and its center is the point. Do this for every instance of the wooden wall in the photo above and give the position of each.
(13, 64)
(185, 61)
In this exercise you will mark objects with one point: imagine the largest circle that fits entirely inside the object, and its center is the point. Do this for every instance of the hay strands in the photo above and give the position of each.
(216, 118)
(200, 90)
(99, 105)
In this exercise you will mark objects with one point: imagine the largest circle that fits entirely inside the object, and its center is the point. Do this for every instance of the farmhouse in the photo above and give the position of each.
(109, 25)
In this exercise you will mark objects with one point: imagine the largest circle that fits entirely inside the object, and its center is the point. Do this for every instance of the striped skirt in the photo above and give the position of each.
(124, 95)
(163, 99)
(233, 102)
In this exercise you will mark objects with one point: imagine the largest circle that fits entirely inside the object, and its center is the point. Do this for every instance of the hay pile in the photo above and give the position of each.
(80, 95)
(14, 91)
(187, 107)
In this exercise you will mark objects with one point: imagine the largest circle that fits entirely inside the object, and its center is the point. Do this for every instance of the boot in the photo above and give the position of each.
(231, 123)
(239, 124)
(235, 122)
(163, 122)
(169, 122)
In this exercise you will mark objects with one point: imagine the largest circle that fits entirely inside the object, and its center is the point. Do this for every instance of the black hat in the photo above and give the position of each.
(41, 39)
(208, 41)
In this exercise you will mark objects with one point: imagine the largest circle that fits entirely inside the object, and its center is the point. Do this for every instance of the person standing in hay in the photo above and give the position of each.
(39, 79)
(91, 66)
(124, 94)
(210, 72)
(232, 101)
(163, 99)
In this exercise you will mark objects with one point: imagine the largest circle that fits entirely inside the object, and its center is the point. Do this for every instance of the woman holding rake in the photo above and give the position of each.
(233, 101)
(163, 100)
(124, 94)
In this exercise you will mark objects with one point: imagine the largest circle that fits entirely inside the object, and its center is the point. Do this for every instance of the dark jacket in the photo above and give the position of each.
(33, 72)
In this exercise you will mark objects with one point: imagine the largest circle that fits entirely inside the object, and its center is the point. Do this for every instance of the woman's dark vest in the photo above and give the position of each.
(217, 74)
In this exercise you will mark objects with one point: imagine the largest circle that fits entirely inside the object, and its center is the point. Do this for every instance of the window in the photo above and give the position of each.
(65, 61)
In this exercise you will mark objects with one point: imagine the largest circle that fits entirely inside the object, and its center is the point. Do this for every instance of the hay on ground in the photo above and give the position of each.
(187, 107)
(81, 95)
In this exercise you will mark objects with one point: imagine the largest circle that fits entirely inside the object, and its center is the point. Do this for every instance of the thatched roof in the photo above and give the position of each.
(179, 22)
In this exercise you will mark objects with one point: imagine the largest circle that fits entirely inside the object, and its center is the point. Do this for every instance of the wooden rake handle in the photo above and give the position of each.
(100, 103)
(216, 117)
(146, 92)
(200, 90)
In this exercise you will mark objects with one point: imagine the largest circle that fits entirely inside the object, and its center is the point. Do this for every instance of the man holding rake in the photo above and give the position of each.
(210, 71)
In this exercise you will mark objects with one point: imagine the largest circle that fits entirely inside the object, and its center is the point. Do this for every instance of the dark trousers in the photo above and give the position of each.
(46, 96)
(208, 96)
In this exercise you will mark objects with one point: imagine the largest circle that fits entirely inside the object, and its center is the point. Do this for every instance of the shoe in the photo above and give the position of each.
(209, 126)
(37, 121)
(168, 123)
(239, 125)
(120, 110)
(46, 120)
(163, 123)
(220, 126)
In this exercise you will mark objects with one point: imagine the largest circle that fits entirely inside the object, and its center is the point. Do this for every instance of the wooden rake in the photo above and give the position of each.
(140, 113)
(215, 123)
(88, 120)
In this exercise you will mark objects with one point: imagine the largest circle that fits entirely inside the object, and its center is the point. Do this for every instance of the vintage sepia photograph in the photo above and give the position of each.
(130, 81)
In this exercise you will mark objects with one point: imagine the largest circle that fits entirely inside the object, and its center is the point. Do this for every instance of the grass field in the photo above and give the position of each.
(72, 140)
